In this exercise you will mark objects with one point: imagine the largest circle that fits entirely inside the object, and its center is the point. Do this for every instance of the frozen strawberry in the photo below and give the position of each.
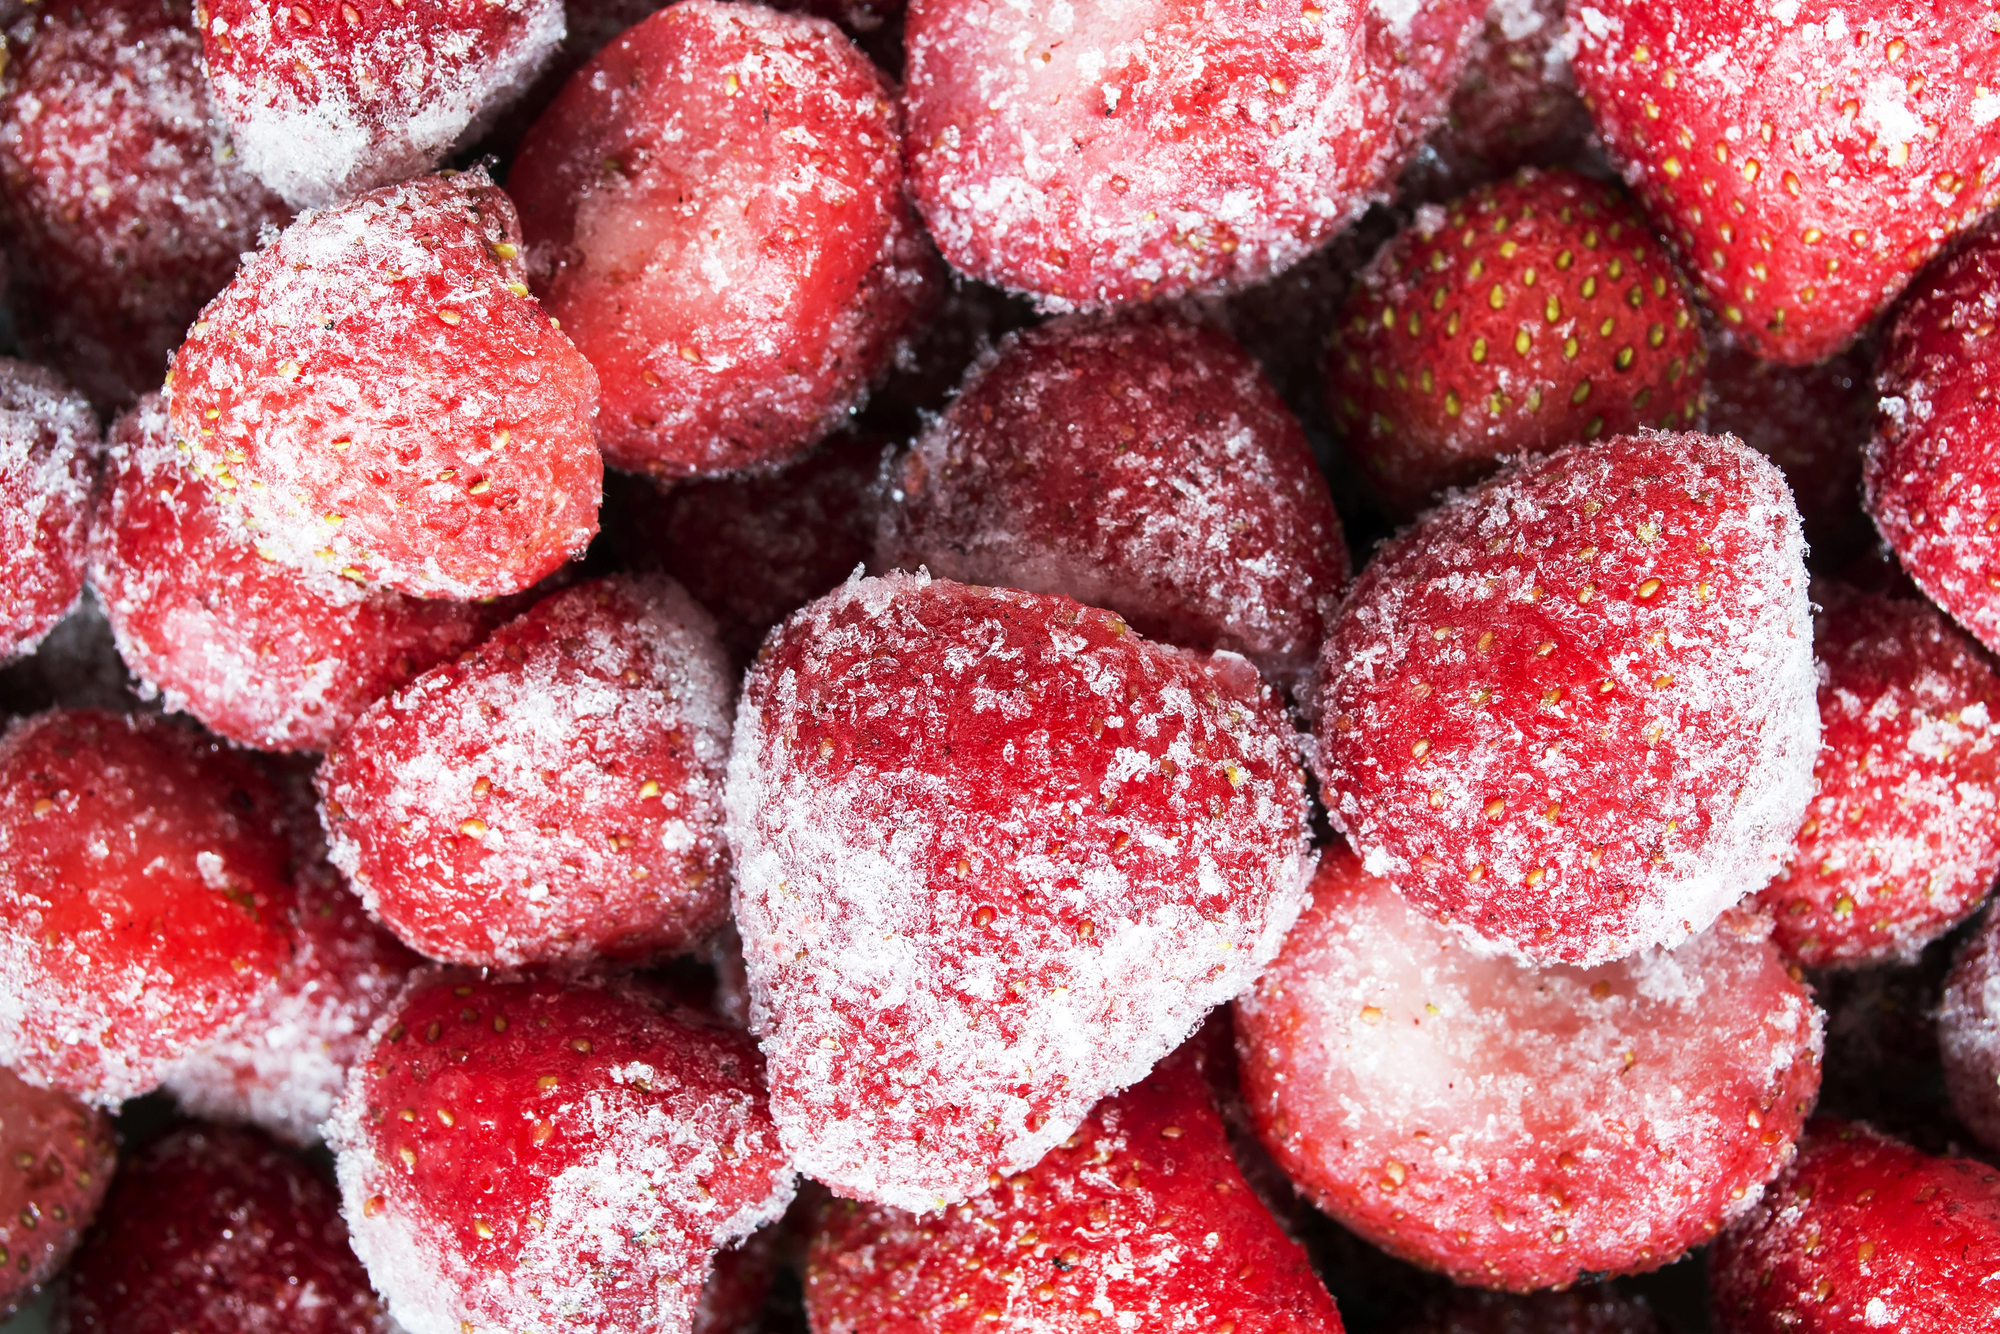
(716, 213)
(1526, 316)
(1518, 1128)
(536, 1156)
(996, 856)
(1901, 840)
(1968, 1032)
(266, 654)
(1137, 463)
(215, 1231)
(1863, 1234)
(143, 898)
(1806, 158)
(1107, 154)
(56, 1158)
(554, 795)
(48, 467)
(1599, 1310)
(382, 399)
(1573, 709)
(120, 195)
(328, 100)
(1139, 1220)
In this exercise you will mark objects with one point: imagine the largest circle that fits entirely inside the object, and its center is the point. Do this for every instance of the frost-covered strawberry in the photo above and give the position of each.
(996, 856)
(1137, 463)
(382, 398)
(1863, 1234)
(1523, 317)
(1901, 841)
(716, 214)
(1520, 1128)
(1968, 1032)
(1572, 710)
(56, 1158)
(48, 468)
(556, 794)
(143, 897)
(1805, 158)
(1104, 154)
(1139, 1220)
(535, 1157)
(214, 1231)
(329, 99)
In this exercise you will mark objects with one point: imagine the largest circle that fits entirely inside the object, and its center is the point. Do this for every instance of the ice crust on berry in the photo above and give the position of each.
(60, 1155)
(996, 855)
(48, 467)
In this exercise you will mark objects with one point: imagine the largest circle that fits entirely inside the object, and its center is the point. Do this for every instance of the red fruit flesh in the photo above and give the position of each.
(1139, 1220)
(1102, 154)
(1140, 464)
(214, 1231)
(120, 199)
(554, 795)
(1863, 1234)
(1573, 709)
(1900, 842)
(1519, 1128)
(381, 397)
(746, 264)
(537, 1156)
(265, 654)
(48, 468)
(142, 898)
(1526, 316)
(996, 856)
(1805, 159)
(1968, 1032)
(56, 1158)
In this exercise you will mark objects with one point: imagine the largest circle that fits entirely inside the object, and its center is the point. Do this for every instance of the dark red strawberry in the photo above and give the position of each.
(1968, 1032)
(56, 1158)
(48, 470)
(1599, 1310)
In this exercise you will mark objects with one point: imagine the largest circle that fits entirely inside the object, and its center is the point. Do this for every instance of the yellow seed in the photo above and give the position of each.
(449, 316)
(1647, 589)
(1522, 342)
(473, 828)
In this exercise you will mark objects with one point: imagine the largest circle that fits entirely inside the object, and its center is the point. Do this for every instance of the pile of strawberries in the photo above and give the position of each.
(1197, 666)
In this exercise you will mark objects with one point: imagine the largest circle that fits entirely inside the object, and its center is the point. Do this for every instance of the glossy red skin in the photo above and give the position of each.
(1231, 141)
(1601, 1310)
(262, 653)
(757, 144)
(1861, 1219)
(426, 321)
(1932, 472)
(536, 1079)
(1900, 843)
(56, 1158)
(580, 747)
(48, 471)
(143, 896)
(1138, 463)
(119, 201)
(219, 1231)
(1504, 303)
(1139, 1216)
(1768, 153)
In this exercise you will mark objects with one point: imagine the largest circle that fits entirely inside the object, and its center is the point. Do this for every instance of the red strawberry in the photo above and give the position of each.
(1968, 1032)
(1519, 1128)
(328, 100)
(1139, 1220)
(56, 1158)
(1599, 1310)
(143, 898)
(716, 210)
(540, 1156)
(1097, 156)
(1805, 158)
(48, 467)
(1136, 463)
(213, 1231)
(996, 856)
(1526, 316)
(1572, 709)
(1863, 1234)
(317, 389)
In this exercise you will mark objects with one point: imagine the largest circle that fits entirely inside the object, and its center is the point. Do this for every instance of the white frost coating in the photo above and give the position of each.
(48, 436)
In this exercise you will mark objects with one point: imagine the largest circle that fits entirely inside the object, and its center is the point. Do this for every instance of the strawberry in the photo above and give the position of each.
(48, 466)
(56, 1158)
(1516, 105)
(996, 856)
(537, 1156)
(1968, 1031)
(1139, 1220)
(1805, 158)
(214, 1231)
(1520, 318)
(1572, 709)
(1863, 1234)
